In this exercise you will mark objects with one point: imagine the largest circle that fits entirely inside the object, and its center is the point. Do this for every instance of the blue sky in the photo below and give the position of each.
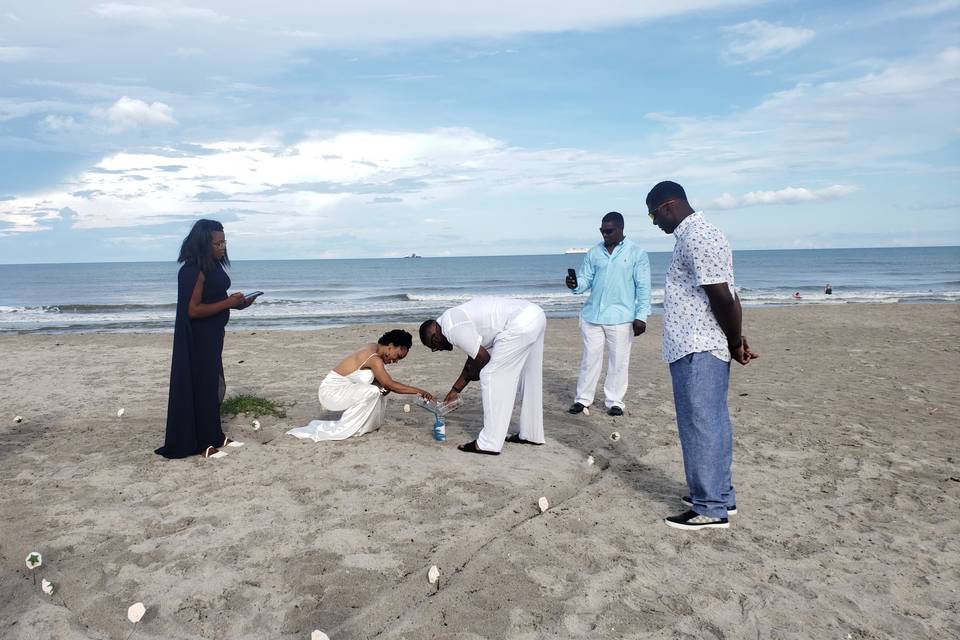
(370, 129)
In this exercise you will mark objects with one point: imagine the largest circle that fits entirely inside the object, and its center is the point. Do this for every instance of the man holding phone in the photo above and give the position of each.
(616, 272)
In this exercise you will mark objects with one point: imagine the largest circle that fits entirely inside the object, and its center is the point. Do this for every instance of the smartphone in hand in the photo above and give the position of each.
(572, 275)
(250, 297)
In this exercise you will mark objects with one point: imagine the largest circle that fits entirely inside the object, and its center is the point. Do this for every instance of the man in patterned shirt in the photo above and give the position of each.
(701, 335)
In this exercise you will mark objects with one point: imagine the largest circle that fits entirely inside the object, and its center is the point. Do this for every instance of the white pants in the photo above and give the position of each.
(355, 395)
(618, 339)
(516, 362)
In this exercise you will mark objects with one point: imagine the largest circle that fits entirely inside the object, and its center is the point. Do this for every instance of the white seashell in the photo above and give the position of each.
(590, 460)
(586, 411)
(615, 436)
(135, 612)
(544, 504)
(34, 560)
(319, 635)
(18, 419)
(47, 587)
(406, 408)
(256, 425)
(120, 412)
(433, 574)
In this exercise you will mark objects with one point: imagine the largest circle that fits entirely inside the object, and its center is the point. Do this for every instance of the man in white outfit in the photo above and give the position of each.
(616, 272)
(503, 340)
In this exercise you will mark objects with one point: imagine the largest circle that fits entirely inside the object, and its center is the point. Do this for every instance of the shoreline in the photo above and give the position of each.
(845, 463)
(656, 311)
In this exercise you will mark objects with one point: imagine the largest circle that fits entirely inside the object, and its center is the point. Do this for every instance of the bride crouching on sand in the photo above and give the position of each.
(357, 386)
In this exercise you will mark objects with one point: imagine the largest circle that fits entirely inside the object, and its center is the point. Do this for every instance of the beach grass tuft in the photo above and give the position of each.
(250, 405)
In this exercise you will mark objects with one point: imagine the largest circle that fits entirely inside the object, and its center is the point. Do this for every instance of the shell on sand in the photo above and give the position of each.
(256, 425)
(120, 412)
(18, 419)
(406, 408)
(319, 635)
(615, 436)
(135, 612)
(433, 574)
(46, 586)
(543, 503)
(590, 460)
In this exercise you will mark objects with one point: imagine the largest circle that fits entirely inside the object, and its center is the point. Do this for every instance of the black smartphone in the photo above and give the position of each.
(572, 273)
(250, 297)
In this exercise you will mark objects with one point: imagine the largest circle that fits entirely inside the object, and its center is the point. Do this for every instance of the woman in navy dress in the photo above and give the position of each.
(196, 375)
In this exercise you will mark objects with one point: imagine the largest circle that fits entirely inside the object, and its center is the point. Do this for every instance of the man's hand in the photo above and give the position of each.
(451, 396)
(742, 353)
(639, 326)
(571, 282)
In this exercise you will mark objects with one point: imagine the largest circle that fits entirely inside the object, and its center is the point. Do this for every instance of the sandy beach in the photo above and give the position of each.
(847, 468)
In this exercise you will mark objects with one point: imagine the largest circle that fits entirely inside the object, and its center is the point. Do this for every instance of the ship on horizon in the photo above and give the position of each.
(575, 250)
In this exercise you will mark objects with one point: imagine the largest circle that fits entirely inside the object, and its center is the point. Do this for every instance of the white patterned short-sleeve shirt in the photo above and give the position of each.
(701, 256)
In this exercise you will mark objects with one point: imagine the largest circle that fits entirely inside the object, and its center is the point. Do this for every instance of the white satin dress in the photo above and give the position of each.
(360, 400)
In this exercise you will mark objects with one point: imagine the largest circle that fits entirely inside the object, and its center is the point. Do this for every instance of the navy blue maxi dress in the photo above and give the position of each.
(196, 375)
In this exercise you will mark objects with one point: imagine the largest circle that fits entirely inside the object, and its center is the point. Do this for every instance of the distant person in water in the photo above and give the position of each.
(357, 386)
(197, 386)
(796, 295)
(828, 289)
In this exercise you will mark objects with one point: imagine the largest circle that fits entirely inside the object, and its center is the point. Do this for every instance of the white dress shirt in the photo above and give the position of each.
(477, 323)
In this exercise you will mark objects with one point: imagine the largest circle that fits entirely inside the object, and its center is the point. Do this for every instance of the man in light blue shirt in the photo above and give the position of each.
(616, 272)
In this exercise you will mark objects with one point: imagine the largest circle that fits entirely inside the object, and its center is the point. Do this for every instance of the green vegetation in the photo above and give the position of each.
(251, 405)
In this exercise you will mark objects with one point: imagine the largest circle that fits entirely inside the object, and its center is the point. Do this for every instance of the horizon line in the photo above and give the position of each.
(510, 255)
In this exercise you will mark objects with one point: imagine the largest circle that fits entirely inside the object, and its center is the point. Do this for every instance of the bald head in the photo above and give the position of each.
(431, 335)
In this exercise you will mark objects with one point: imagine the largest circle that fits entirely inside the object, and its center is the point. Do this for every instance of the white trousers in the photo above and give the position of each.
(359, 399)
(618, 339)
(516, 363)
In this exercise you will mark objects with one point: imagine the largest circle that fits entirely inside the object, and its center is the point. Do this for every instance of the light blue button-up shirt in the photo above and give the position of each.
(618, 282)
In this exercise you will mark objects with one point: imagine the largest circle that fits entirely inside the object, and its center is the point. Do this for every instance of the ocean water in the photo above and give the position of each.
(304, 294)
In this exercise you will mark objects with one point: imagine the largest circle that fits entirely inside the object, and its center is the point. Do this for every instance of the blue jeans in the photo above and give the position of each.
(700, 383)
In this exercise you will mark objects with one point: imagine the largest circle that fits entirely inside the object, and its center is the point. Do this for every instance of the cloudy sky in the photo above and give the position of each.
(378, 128)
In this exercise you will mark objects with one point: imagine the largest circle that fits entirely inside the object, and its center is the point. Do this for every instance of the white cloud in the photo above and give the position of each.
(867, 123)
(757, 39)
(16, 54)
(788, 195)
(287, 186)
(57, 123)
(11, 108)
(923, 9)
(130, 113)
(188, 52)
(154, 16)
(284, 26)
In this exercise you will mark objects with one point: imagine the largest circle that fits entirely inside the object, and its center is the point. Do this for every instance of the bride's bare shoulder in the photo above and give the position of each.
(353, 361)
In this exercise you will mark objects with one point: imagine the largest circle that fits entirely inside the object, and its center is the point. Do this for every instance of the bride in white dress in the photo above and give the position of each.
(357, 387)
